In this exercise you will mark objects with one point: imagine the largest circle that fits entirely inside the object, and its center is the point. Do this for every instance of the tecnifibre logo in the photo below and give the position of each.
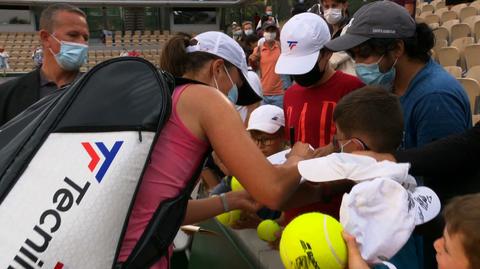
(63, 199)
(95, 159)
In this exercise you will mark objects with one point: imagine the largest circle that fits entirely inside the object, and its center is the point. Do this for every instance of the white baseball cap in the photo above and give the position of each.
(337, 166)
(301, 39)
(223, 46)
(267, 119)
(382, 215)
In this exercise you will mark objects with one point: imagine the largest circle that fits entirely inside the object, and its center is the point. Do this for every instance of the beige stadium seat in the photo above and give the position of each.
(448, 56)
(425, 8)
(455, 71)
(439, 43)
(441, 33)
(458, 7)
(448, 16)
(473, 72)
(475, 4)
(449, 24)
(472, 55)
(432, 18)
(475, 118)
(440, 11)
(472, 88)
(460, 44)
(471, 22)
(459, 30)
(467, 12)
(440, 5)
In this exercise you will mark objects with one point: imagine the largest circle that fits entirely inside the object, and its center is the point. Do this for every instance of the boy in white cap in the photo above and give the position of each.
(309, 103)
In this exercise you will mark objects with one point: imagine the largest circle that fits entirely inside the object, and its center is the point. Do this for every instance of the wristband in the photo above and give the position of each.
(224, 202)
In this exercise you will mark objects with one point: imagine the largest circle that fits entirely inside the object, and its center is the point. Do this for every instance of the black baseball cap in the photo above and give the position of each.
(381, 19)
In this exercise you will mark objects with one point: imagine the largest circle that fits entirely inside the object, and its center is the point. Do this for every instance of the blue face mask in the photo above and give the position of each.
(233, 92)
(370, 74)
(71, 55)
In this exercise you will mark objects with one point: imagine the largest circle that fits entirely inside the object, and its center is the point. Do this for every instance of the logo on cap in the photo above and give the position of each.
(292, 44)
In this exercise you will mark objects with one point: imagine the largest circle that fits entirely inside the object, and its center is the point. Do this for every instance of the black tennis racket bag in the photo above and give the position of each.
(70, 166)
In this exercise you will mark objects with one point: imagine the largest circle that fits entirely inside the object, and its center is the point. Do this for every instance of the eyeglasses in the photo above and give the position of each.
(264, 141)
(338, 147)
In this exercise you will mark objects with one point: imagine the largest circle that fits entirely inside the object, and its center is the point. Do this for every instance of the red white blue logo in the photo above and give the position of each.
(108, 155)
(292, 44)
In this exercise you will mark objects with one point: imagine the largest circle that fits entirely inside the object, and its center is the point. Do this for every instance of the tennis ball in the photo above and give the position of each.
(313, 240)
(234, 216)
(224, 218)
(236, 186)
(266, 230)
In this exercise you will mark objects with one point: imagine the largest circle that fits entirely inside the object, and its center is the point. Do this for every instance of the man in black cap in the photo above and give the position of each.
(392, 51)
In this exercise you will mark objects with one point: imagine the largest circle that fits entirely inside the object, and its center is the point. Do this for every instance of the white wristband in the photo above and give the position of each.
(224, 202)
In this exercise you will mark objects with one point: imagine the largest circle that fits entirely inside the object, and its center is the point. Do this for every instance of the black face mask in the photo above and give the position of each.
(310, 78)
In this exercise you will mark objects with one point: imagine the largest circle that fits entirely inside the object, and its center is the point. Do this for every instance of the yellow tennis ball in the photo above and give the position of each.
(234, 216)
(313, 240)
(266, 230)
(236, 186)
(224, 218)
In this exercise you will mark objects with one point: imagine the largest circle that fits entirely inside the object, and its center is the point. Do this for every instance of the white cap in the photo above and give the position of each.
(267, 119)
(301, 39)
(382, 214)
(358, 168)
(257, 84)
(223, 46)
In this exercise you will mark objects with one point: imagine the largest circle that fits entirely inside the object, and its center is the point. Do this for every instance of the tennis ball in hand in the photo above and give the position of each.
(229, 218)
(234, 216)
(313, 240)
(224, 218)
(236, 186)
(266, 230)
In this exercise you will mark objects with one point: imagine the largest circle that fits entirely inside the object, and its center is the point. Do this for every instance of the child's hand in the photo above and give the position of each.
(276, 244)
(355, 260)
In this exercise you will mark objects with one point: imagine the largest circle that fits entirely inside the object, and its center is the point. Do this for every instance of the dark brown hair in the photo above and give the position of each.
(374, 112)
(48, 16)
(462, 217)
(175, 59)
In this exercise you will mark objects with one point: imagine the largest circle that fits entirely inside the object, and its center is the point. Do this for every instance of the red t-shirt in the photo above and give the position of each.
(310, 112)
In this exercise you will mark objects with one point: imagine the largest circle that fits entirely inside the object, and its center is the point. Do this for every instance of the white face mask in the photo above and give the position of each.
(269, 36)
(333, 15)
(248, 32)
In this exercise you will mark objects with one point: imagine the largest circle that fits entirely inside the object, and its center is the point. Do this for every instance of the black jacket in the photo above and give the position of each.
(18, 94)
(451, 166)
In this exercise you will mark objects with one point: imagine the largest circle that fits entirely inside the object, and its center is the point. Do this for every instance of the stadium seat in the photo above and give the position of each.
(455, 71)
(459, 30)
(475, 4)
(472, 55)
(432, 18)
(428, 7)
(448, 56)
(457, 8)
(467, 12)
(441, 33)
(448, 16)
(460, 44)
(473, 72)
(472, 88)
(439, 5)
(439, 43)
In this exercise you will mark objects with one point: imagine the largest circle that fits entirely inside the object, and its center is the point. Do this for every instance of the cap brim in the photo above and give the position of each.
(345, 42)
(264, 127)
(296, 65)
(426, 204)
(333, 167)
(246, 94)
